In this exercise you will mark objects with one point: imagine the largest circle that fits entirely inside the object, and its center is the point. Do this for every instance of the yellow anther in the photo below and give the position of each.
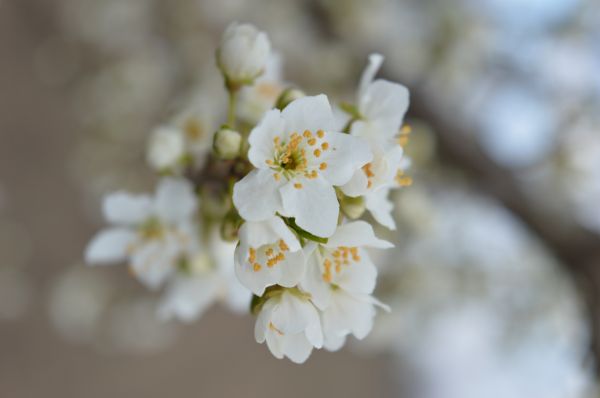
(312, 175)
(276, 176)
(323, 166)
(307, 134)
(282, 246)
(252, 255)
(325, 146)
(312, 141)
(256, 267)
(320, 133)
(269, 252)
(297, 185)
(317, 152)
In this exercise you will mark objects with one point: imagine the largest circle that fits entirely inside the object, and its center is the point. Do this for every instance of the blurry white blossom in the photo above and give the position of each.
(153, 233)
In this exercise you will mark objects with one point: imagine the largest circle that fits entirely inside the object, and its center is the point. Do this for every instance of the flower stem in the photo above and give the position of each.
(231, 107)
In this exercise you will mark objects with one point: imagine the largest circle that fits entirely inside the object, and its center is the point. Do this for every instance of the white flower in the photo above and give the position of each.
(268, 254)
(152, 233)
(165, 148)
(243, 53)
(340, 278)
(299, 160)
(290, 325)
(208, 279)
(381, 107)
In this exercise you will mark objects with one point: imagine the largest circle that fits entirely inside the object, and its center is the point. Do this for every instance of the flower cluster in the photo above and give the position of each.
(263, 214)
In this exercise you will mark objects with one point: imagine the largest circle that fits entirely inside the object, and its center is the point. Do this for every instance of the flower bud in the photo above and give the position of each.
(165, 148)
(287, 96)
(226, 143)
(242, 54)
(353, 208)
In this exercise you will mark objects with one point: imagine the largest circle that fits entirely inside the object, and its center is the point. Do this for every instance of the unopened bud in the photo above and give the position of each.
(288, 95)
(226, 143)
(243, 53)
(353, 208)
(165, 148)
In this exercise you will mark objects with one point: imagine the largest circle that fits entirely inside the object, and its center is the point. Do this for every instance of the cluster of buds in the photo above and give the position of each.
(264, 213)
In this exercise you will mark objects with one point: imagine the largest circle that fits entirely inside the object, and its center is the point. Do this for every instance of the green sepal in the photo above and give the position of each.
(290, 222)
(350, 109)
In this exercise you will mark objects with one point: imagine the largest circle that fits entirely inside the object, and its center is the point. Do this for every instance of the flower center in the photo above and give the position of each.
(151, 229)
(298, 156)
(269, 255)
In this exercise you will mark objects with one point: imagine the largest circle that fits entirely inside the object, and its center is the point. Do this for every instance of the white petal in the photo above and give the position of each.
(345, 155)
(308, 113)
(188, 297)
(109, 246)
(334, 341)
(258, 233)
(357, 185)
(314, 206)
(297, 347)
(287, 272)
(375, 61)
(126, 209)
(262, 321)
(256, 196)
(359, 277)
(275, 343)
(293, 314)
(348, 314)
(175, 200)
(261, 138)
(357, 233)
(237, 297)
(386, 103)
(313, 282)
(153, 262)
(381, 207)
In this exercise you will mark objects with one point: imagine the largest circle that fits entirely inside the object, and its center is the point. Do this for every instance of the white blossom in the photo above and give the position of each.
(268, 254)
(299, 160)
(381, 106)
(152, 233)
(290, 325)
(340, 278)
(243, 53)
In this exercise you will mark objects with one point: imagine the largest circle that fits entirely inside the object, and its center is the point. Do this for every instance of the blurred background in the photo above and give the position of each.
(495, 281)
